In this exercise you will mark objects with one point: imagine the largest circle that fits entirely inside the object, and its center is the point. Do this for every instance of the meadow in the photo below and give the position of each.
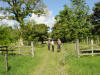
(51, 63)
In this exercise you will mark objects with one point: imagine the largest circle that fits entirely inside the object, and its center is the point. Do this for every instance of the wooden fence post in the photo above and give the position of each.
(97, 41)
(63, 54)
(77, 48)
(19, 50)
(87, 40)
(32, 48)
(92, 46)
(6, 59)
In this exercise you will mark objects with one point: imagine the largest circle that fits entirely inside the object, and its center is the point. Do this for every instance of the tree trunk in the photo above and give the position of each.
(21, 38)
(42, 41)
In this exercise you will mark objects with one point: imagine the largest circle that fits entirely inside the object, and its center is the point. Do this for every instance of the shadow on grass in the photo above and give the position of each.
(9, 68)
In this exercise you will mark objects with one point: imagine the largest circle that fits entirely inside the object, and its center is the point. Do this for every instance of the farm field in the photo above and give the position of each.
(51, 63)
(29, 28)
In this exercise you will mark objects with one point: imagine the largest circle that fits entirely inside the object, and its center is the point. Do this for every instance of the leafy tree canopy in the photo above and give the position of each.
(96, 19)
(72, 23)
(20, 9)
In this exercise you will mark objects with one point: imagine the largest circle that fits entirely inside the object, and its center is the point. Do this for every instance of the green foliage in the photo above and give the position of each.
(96, 19)
(8, 35)
(81, 15)
(28, 31)
(64, 22)
(72, 22)
(36, 32)
(40, 31)
(20, 9)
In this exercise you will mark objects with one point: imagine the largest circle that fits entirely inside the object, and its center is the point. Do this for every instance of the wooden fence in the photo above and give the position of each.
(21, 50)
(92, 49)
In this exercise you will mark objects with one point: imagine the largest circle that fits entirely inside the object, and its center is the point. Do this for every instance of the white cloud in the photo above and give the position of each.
(1, 14)
(9, 22)
(6, 21)
(44, 19)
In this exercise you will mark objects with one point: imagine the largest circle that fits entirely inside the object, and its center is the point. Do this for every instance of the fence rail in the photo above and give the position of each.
(85, 50)
(22, 50)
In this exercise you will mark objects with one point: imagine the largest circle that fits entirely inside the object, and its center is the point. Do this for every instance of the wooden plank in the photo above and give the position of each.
(3, 46)
(85, 50)
(88, 45)
(20, 46)
(3, 50)
(32, 48)
(77, 48)
(25, 46)
(18, 50)
(86, 54)
(92, 46)
(96, 53)
(6, 57)
(26, 54)
(13, 47)
(91, 50)
(6, 61)
(26, 50)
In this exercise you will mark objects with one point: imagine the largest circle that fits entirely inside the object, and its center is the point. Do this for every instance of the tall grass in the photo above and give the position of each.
(85, 65)
(19, 64)
(49, 62)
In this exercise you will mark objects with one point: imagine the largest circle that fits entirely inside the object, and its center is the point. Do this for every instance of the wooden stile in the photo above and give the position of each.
(92, 46)
(77, 48)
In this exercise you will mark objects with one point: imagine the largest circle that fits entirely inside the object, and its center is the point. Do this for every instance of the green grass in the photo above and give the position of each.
(19, 64)
(50, 63)
(85, 65)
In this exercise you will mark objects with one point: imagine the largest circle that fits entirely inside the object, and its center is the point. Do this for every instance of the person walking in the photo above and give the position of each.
(49, 44)
(52, 43)
(58, 45)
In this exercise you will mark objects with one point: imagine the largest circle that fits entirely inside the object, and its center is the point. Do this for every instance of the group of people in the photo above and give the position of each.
(51, 43)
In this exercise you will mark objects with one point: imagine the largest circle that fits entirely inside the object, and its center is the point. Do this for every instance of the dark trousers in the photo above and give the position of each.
(53, 48)
(58, 48)
(48, 46)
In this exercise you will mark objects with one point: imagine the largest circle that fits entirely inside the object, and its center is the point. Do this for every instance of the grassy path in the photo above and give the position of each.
(50, 64)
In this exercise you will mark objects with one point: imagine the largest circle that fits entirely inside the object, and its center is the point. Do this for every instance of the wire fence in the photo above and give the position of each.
(85, 65)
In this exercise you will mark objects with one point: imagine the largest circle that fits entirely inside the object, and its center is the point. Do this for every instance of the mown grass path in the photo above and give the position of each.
(51, 64)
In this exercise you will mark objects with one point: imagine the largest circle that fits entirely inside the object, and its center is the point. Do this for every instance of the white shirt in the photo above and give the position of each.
(52, 42)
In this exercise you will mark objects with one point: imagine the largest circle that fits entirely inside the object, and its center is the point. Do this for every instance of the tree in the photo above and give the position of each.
(64, 22)
(96, 19)
(72, 23)
(40, 32)
(8, 34)
(19, 9)
(28, 32)
(82, 25)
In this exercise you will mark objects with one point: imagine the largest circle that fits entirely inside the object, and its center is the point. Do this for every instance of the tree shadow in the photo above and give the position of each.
(9, 68)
